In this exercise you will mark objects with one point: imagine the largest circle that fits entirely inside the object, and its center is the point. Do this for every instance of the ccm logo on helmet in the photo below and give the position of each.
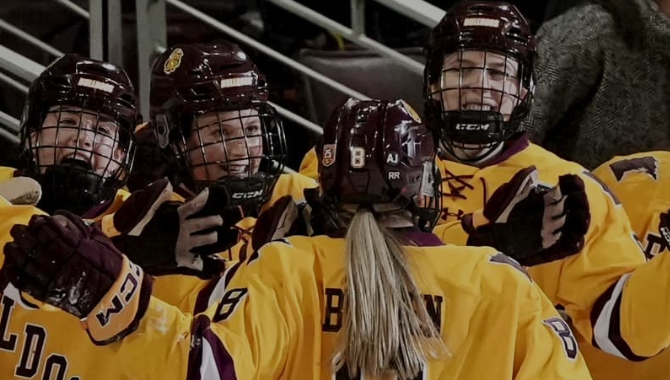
(248, 195)
(472, 127)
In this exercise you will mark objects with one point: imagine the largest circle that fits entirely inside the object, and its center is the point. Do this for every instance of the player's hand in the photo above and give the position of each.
(70, 265)
(168, 237)
(530, 224)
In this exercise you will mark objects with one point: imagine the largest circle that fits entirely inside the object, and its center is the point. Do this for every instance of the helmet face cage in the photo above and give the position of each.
(378, 154)
(209, 104)
(76, 134)
(479, 78)
(243, 150)
(70, 134)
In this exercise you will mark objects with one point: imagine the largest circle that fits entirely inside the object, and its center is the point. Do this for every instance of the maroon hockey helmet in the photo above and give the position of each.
(379, 152)
(87, 100)
(189, 81)
(493, 43)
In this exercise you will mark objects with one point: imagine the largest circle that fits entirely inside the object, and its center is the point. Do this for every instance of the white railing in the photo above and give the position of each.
(105, 43)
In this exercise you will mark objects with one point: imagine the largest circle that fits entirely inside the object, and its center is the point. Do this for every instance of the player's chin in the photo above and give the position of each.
(106, 171)
(468, 152)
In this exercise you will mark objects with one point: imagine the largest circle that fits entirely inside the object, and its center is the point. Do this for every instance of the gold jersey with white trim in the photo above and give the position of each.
(641, 182)
(278, 315)
(608, 288)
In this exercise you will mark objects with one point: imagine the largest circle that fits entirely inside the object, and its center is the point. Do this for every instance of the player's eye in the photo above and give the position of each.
(105, 131)
(252, 130)
(499, 74)
(68, 122)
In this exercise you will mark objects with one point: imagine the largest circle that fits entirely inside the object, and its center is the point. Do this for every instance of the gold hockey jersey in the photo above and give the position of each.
(608, 289)
(278, 315)
(641, 182)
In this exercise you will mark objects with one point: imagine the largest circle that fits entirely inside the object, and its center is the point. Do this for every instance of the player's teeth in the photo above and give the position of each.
(477, 107)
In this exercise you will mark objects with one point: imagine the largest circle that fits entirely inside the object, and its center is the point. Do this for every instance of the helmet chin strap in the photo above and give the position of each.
(484, 155)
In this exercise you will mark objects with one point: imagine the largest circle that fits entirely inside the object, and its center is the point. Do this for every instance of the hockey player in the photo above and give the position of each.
(641, 182)
(478, 87)
(76, 142)
(176, 232)
(77, 134)
(210, 112)
(348, 303)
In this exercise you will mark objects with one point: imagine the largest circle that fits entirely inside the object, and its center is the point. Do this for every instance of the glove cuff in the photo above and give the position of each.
(474, 220)
(119, 312)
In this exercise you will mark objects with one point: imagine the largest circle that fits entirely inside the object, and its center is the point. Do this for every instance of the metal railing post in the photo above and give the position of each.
(13, 83)
(19, 65)
(362, 40)
(30, 39)
(297, 119)
(151, 41)
(12, 125)
(417, 10)
(105, 31)
(358, 16)
(95, 27)
(25, 69)
(266, 50)
(74, 8)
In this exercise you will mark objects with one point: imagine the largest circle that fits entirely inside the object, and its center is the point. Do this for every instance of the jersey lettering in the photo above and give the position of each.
(336, 299)
(434, 309)
(33, 348)
(655, 244)
(229, 303)
(7, 339)
(34, 338)
(561, 328)
(334, 306)
(55, 364)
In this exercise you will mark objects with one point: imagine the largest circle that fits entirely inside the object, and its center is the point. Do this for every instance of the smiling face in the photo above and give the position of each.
(72, 134)
(479, 81)
(224, 144)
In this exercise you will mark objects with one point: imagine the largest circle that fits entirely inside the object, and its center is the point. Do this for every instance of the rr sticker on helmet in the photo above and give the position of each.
(411, 111)
(173, 61)
(328, 155)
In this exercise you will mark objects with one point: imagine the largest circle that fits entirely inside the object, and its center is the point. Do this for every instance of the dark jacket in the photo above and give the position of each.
(603, 82)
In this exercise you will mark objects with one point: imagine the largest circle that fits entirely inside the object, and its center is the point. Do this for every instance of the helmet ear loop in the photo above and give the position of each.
(427, 216)
(162, 130)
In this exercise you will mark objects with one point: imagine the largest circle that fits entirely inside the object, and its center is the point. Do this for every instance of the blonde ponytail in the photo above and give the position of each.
(387, 330)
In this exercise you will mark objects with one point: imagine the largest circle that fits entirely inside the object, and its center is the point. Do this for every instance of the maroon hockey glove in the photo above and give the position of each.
(68, 264)
(167, 237)
(531, 224)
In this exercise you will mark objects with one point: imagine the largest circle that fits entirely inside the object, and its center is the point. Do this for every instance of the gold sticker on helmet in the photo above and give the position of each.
(328, 157)
(411, 111)
(173, 61)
